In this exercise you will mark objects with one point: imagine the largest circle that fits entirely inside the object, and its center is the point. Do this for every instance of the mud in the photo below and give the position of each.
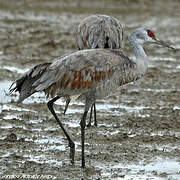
(138, 133)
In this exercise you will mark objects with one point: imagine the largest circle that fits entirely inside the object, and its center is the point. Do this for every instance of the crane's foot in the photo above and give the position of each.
(95, 123)
(89, 124)
(72, 152)
(83, 164)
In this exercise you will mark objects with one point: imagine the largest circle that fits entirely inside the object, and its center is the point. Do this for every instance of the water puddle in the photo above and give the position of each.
(153, 90)
(35, 121)
(15, 108)
(169, 167)
(4, 89)
(178, 67)
(159, 133)
(11, 116)
(14, 69)
(5, 97)
(176, 107)
(171, 59)
(73, 123)
(71, 110)
(135, 108)
(144, 115)
(163, 133)
(168, 148)
(7, 126)
(59, 147)
(38, 97)
(53, 143)
(50, 140)
(6, 154)
(43, 159)
(115, 132)
(114, 109)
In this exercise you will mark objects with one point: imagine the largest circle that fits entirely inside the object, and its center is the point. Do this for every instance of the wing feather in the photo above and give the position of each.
(100, 31)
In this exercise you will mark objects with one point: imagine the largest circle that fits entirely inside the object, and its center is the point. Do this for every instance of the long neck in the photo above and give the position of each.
(141, 58)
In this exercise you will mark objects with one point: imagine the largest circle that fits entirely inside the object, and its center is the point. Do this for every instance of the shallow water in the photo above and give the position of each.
(138, 127)
(134, 171)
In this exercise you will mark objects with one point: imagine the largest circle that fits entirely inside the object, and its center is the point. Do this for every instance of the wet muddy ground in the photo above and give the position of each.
(138, 133)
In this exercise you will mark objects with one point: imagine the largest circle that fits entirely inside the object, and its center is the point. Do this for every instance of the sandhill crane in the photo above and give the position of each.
(91, 74)
(98, 31)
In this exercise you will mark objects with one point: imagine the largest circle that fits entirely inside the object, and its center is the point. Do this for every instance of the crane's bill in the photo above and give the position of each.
(165, 44)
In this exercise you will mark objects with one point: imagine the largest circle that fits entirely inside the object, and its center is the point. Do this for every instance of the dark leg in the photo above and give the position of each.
(89, 101)
(89, 124)
(83, 124)
(71, 143)
(67, 104)
(95, 121)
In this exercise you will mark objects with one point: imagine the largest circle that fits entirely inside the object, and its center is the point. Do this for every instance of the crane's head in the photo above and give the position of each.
(143, 35)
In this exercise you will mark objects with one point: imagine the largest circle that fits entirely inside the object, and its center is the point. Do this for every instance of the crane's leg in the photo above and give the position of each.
(83, 124)
(71, 143)
(67, 104)
(89, 124)
(95, 122)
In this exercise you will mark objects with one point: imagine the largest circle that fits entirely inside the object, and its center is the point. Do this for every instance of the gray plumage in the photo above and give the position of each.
(24, 85)
(94, 68)
(100, 31)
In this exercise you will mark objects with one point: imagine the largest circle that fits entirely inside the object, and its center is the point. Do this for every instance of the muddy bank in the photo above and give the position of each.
(138, 127)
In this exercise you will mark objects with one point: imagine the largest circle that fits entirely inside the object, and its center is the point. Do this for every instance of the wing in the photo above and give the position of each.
(81, 71)
(100, 31)
(24, 84)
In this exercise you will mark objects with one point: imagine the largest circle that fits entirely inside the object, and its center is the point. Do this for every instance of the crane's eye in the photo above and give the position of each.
(151, 34)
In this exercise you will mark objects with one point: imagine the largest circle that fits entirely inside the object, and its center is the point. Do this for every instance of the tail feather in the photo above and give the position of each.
(24, 85)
